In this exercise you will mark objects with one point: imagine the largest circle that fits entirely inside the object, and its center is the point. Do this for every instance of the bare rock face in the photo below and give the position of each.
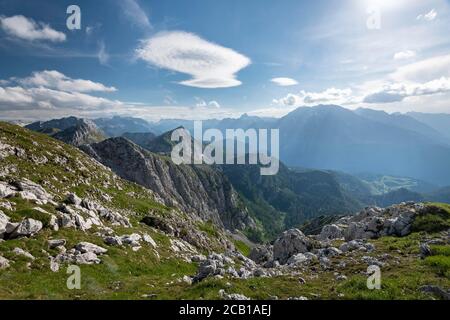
(290, 243)
(202, 190)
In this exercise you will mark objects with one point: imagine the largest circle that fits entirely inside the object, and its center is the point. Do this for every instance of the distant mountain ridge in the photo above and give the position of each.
(71, 130)
(330, 137)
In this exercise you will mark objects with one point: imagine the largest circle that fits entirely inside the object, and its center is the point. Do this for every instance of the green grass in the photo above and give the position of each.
(435, 221)
(440, 263)
(242, 247)
(440, 250)
(209, 228)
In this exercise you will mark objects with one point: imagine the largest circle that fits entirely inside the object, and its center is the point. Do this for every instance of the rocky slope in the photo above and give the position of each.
(58, 207)
(71, 130)
(201, 190)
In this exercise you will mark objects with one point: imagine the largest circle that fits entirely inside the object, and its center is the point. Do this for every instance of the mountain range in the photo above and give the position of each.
(358, 158)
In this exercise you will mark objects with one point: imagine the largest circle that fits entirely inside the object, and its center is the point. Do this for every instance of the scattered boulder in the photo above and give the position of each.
(85, 247)
(329, 252)
(33, 191)
(232, 296)
(425, 250)
(27, 228)
(297, 259)
(7, 190)
(357, 245)
(331, 232)
(4, 263)
(54, 243)
(437, 291)
(372, 261)
(23, 253)
(4, 219)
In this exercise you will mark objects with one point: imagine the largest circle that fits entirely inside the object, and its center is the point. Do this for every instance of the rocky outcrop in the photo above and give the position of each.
(201, 190)
(290, 243)
(373, 222)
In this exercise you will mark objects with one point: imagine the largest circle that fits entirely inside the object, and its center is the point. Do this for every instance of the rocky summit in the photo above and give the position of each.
(139, 227)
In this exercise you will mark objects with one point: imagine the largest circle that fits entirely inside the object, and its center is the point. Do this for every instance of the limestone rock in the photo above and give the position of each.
(23, 253)
(26, 228)
(331, 232)
(84, 247)
(4, 263)
(290, 243)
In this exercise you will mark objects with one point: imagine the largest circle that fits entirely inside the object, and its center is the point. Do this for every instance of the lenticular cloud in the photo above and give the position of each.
(209, 64)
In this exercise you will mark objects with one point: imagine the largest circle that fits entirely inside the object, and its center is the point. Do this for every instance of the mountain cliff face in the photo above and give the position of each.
(198, 189)
(71, 130)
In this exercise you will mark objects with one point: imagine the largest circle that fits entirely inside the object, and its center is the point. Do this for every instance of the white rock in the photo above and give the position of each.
(4, 263)
(23, 253)
(146, 237)
(331, 232)
(72, 198)
(26, 228)
(6, 190)
(290, 243)
(4, 219)
(90, 247)
(232, 296)
(53, 243)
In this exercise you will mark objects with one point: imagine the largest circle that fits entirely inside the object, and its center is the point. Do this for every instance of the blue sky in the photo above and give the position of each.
(204, 59)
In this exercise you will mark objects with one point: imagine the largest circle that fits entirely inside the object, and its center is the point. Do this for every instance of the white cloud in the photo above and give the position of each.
(203, 104)
(329, 96)
(135, 14)
(56, 80)
(210, 65)
(53, 90)
(424, 70)
(103, 56)
(404, 55)
(430, 16)
(396, 92)
(44, 98)
(27, 29)
(284, 82)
